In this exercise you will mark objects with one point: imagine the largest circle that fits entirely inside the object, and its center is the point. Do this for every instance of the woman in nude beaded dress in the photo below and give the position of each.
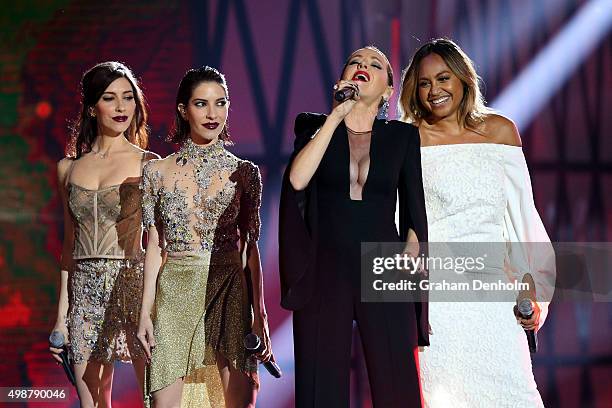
(201, 207)
(102, 257)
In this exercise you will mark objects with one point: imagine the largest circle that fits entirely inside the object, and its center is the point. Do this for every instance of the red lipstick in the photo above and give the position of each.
(362, 76)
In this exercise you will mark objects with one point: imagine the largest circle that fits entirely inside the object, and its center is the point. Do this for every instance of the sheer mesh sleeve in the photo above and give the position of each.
(150, 186)
(249, 220)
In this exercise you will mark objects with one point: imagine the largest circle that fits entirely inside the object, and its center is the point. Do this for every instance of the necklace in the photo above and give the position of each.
(210, 162)
(102, 155)
(365, 132)
(199, 154)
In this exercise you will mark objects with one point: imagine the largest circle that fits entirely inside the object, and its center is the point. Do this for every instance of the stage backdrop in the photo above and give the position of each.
(281, 58)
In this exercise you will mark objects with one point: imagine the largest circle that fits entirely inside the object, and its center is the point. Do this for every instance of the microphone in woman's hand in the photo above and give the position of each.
(253, 344)
(525, 310)
(56, 339)
(345, 93)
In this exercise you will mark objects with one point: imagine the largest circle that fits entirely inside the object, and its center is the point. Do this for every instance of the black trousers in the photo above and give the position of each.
(322, 333)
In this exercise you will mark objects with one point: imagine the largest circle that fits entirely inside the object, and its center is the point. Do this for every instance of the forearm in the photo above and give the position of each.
(308, 159)
(254, 264)
(62, 306)
(66, 268)
(152, 264)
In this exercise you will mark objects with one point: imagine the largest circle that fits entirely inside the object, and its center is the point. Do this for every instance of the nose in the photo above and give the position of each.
(362, 65)
(211, 112)
(434, 89)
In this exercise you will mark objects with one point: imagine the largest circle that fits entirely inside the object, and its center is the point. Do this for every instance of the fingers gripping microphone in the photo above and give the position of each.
(525, 310)
(56, 339)
(253, 344)
(343, 94)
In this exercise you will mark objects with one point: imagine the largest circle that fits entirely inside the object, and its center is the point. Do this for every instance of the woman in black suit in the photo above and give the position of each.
(339, 190)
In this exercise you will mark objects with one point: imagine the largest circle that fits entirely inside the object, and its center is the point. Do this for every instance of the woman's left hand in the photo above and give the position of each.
(260, 328)
(533, 322)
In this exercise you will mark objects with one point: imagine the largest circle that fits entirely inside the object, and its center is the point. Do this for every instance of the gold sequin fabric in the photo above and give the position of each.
(228, 313)
(105, 298)
(211, 315)
(203, 199)
(178, 321)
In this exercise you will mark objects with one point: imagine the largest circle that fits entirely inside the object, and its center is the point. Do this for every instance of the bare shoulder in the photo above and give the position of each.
(63, 166)
(502, 130)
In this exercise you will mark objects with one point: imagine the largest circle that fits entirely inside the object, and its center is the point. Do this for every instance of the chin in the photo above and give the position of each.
(207, 135)
(116, 130)
(442, 113)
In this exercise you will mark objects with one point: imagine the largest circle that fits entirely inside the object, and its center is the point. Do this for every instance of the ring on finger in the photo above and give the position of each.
(335, 87)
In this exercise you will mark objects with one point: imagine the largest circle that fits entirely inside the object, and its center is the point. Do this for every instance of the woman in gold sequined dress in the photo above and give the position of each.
(102, 257)
(201, 207)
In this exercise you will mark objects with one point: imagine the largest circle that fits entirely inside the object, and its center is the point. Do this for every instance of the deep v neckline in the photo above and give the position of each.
(347, 166)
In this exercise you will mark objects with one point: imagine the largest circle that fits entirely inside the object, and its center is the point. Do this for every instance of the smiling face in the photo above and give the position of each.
(206, 112)
(440, 91)
(115, 109)
(369, 68)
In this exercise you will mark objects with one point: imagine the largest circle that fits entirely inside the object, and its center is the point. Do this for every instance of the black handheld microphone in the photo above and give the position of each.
(253, 344)
(56, 339)
(525, 310)
(343, 94)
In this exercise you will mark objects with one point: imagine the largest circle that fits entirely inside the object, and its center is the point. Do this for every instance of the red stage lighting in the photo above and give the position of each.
(43, 109)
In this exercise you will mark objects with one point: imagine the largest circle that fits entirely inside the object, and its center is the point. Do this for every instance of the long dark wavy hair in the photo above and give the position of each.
(190, 81)
(93, 84)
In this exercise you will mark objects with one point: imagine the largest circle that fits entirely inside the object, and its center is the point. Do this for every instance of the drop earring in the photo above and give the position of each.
(384, 109)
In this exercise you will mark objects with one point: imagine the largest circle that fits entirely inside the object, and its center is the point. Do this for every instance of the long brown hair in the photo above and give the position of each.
(93, 84)
(472, 109)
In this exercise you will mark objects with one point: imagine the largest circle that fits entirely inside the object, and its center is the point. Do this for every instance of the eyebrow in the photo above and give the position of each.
(223, 98)
(115, 93)
(446, 71)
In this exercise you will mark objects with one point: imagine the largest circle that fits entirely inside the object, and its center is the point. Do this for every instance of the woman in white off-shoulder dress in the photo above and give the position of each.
(477, 190)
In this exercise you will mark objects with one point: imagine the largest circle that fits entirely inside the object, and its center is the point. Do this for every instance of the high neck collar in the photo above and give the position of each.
(193, 150)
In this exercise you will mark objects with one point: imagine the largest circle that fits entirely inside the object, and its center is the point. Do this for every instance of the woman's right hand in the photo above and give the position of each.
(145, 334)
(341, 109)
(63, 329)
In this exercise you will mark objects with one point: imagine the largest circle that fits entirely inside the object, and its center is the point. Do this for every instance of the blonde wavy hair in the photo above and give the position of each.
(472, 109)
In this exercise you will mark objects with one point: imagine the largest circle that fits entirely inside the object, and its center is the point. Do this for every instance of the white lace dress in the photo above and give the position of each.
(479, 355)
